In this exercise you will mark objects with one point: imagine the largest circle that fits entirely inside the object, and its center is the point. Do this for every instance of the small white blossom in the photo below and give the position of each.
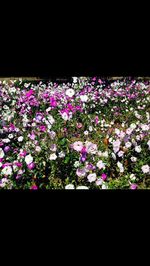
(20, 139)
(70, 186)
(28, 159)
(70, 92)
(138, 149)
(2, 154)
(53, 156)
(145, 169)
(128, 144)
(82, 187)
(91, 177)
(133, 159)
(7, 170)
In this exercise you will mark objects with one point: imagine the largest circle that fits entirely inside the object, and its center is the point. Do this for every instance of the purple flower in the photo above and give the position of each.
(7, 148)
(81, 172)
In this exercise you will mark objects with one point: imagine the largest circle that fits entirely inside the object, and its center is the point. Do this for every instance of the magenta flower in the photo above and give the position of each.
(96, 120)
(43, 128)
(104, 177)
(23, 154)
(29, 93)
(18, 164)
(53, 102)
(31, 166)
(34, 187)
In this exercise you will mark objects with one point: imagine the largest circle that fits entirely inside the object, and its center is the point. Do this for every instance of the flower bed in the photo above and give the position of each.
(88, 134)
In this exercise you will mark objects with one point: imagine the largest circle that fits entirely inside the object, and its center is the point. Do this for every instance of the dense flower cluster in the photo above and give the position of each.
(88, 134)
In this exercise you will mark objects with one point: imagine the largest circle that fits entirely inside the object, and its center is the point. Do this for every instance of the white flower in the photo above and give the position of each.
(75, 79)
(70, 92)
(7, 170)
(38, 148)
(28, 159)
(53, 156)
(99, 153)
(113, 156)
(145, 127)
(76, 164)
(10, 136)
(100, 164)
(116, 143)
(120, 166)
(61, 154)
(90, 128)
(82, 187)
(138, 137)
(6, 140)
(148, 143)
(105, 154)
(1, 164)
(104, 186)
(132, 177)
(145, 169)
(65, 116)
(99, 182)
(51, 119)
(15, 168)
(117, 131)
(84, 98)
(5, 107)
(91, 177)
(129, 131)
(77, 145)
(120, 153)
(128, 144)
(53, 147)
(70, 186)
(48, 109)
(2, 154)
(91, 148)
(20, 139)
(49, 126)
(133, 159)
(133, 126)
(86, 133)
(138, 149)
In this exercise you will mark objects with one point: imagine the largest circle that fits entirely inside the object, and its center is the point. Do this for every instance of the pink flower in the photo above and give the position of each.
(79, 125)
(77, 145)
(133, 186)
(34, 187)
(104, 177)
(32, 136)
(100, 81)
